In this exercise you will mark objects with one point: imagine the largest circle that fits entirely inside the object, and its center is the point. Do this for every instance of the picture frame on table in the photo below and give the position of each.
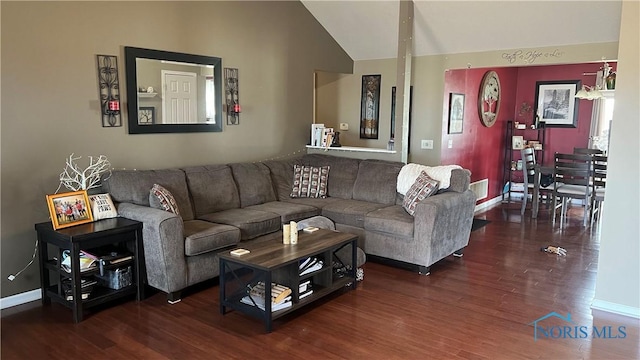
(69, 209)
(456, 113)
(146, 115)
(517, 142)
(556, 104)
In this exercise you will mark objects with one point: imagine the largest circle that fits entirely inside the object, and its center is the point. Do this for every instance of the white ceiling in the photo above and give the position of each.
(369, 29)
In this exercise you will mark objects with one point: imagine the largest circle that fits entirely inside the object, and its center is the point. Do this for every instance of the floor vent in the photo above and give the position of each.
(481, 188)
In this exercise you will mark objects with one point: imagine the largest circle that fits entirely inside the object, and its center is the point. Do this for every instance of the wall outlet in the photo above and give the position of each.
(426, 144)
(344, 126)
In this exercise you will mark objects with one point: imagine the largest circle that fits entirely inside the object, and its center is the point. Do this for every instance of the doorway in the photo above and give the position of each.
(179, 103)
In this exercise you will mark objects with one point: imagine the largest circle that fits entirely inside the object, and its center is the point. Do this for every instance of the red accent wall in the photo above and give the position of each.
(482, 149)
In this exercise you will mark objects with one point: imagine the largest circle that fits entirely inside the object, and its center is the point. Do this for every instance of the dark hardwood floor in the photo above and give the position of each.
(480, 306)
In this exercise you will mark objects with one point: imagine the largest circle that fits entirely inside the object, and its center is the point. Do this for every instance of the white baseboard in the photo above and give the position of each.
(19, 299)
(488, 204)
(615, 308)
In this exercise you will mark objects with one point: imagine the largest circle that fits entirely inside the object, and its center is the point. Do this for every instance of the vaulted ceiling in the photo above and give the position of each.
(369, 29)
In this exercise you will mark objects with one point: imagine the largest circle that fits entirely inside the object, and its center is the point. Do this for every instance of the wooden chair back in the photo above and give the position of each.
(587, 151)
(572, 169)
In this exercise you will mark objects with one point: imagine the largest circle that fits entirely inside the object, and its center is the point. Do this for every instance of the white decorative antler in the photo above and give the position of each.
(73, 178)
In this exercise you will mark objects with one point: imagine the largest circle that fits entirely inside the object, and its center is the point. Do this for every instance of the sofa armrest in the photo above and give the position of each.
(163, 240)
(442, 224)
(460, 180)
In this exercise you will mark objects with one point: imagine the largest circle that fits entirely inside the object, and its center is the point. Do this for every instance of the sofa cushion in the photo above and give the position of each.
(281, 176)
(422, 188)
(252, 223)
(390, 220)
(343, 173)
(133, 186)
(287, 211)
(254, 183)
(376, 181)
(350, 212)
(212, 188)
(315, 202)
(309, 181)
(203, 236)
(161, 198)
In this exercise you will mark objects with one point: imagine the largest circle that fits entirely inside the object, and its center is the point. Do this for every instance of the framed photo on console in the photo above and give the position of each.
(69, 209)
(147, 115)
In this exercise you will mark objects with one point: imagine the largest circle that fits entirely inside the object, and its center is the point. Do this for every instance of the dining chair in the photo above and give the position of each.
(572, 177)
(529, 173)
(586, 151)
(598, 183)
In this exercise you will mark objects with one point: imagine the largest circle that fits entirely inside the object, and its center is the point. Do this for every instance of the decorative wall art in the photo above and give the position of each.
(232, 100)
(456, 113)
(146, 115)
(393, 110)
(370, 106)
(109, 89)
(556, 104)
(489, 98)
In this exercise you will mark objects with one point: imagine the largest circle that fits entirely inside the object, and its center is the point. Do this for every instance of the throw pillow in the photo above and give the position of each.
(102, 207)
(310, 181)
(161, 198)
(421, 189)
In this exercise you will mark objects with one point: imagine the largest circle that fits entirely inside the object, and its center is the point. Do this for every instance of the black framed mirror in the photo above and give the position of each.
(171, 92)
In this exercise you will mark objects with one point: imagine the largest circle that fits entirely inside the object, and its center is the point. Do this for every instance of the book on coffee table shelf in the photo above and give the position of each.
(310, 265)
(280, 297)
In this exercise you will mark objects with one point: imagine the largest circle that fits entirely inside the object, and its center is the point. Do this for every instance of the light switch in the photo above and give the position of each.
(450, 144)
(426, 144)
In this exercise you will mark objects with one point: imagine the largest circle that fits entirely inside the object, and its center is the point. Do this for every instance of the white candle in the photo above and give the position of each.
(286, 233)
(294, 233)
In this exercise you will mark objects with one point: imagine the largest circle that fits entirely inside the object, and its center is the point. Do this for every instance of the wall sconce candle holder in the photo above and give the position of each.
(232, 100)
(109, 89)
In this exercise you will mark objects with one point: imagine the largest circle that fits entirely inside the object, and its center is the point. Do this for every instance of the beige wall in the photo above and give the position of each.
(50, 94)
(618, 281)
(338, 96)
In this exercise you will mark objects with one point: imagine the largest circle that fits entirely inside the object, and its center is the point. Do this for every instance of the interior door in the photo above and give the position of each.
(180, 98)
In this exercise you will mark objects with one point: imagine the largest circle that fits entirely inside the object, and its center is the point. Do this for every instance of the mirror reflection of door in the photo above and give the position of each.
(180, 98)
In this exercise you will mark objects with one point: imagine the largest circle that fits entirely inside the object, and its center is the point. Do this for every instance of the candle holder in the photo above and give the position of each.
(109, 89)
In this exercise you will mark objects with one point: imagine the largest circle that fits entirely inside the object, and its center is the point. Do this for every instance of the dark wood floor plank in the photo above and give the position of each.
(480, 306)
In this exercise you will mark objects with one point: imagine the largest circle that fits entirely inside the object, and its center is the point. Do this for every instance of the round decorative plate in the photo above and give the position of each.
(489, 98)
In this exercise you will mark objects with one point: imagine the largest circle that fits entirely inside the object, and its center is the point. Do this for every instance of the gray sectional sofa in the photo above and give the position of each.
(222, 206)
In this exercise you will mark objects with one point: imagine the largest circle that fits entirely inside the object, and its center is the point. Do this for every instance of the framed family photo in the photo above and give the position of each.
(69, 209)
(556, 104)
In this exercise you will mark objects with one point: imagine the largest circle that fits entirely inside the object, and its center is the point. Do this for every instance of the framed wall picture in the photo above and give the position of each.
(456, 113)
(370, 106)
(146, 115)
(489, 98)
(556, 104)
(69, 209)
(393, 113)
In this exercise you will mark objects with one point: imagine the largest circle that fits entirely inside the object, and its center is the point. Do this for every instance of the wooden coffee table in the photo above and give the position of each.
(272, 261)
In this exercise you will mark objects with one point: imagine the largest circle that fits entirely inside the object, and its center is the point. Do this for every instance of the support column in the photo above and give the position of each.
(403, 77)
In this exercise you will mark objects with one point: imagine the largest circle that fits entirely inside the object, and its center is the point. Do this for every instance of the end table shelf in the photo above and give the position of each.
(123, 235)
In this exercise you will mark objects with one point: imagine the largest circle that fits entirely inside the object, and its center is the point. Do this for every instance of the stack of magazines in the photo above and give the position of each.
(280, 297)
(305, 289)
(310, 265)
